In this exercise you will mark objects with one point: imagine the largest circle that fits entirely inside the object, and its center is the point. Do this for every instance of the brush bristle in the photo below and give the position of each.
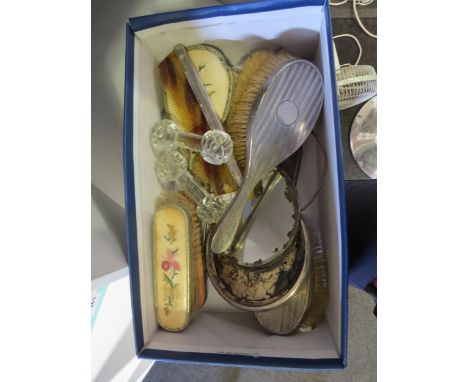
(197, 250)
(320, 289)
(256, 69)
(183, 108)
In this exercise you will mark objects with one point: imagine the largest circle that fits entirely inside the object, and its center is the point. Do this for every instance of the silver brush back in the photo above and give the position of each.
(286, 113)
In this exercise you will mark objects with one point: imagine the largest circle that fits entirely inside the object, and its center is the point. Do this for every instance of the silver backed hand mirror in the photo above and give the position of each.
(271, 223)
(274, 262)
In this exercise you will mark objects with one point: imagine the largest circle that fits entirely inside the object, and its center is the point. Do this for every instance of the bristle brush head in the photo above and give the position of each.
(255, 72)
(197, 249)
(320, 288)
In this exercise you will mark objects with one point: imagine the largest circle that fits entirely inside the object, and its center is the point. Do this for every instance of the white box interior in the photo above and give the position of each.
(220, 328)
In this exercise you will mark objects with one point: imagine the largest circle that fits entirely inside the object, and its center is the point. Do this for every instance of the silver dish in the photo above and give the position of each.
(363, 138)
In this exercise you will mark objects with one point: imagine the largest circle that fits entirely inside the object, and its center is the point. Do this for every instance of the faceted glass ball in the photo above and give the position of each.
(210, 209)
(216, 147)
(163, 136)
(170, 166)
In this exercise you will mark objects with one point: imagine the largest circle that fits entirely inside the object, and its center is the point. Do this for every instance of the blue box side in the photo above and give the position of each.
(129, 188)
(140, 23)
(240, 360)
(150, 21)
(341, 194)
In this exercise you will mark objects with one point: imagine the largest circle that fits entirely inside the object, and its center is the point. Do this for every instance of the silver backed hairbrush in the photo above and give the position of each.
(284, 115)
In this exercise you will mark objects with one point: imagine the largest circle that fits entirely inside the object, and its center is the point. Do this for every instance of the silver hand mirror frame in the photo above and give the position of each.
(292, 197)
(299, 271)
(228, 275)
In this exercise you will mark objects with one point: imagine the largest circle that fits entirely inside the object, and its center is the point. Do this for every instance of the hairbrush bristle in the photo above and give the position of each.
(182, 107)
(256, 70)
(320, 288)
(197, 249)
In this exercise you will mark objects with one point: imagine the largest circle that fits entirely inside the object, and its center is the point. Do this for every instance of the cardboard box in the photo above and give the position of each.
(221, 334)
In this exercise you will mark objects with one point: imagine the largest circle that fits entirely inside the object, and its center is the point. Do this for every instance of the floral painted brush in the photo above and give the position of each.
(178, 272)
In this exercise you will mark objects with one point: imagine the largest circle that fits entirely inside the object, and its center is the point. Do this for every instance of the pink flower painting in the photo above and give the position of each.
(169, 261)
